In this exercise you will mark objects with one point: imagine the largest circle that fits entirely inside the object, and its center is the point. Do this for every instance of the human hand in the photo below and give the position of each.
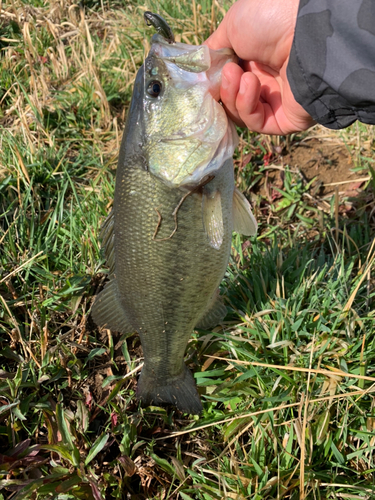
(257, 94)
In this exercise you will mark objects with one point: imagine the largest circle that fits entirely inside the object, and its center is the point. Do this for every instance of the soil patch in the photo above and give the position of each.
(330, 163)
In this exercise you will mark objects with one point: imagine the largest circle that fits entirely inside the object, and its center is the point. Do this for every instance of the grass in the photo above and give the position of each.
(287, 382)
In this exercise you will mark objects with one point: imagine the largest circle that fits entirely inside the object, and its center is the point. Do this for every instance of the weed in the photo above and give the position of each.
(287, 382)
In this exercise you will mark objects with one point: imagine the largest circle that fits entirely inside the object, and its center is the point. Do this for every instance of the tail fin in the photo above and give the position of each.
(180, 391)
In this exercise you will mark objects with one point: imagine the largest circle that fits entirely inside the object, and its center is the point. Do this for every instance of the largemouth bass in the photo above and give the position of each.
(167, 241)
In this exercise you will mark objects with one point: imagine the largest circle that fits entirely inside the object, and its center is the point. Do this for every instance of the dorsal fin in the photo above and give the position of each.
(107, 309)
(107, 238)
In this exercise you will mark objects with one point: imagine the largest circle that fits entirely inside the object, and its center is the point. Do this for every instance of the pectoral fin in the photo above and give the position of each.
(212, 215)
(243, 219)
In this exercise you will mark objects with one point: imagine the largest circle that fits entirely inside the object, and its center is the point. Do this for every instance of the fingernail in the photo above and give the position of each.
(224, 82)
(243, 87)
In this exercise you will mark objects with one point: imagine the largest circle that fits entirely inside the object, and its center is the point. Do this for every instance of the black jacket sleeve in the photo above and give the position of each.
(331, 68)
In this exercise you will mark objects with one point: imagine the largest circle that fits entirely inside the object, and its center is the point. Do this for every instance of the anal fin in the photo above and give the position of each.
(108, 311)
(214, 314)
(243, 219)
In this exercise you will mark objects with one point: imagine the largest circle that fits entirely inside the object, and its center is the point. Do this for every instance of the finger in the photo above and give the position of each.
(219, 38)
(268, 115)
(251, 107)
(230, 84)
(257, 102)
(247, 101)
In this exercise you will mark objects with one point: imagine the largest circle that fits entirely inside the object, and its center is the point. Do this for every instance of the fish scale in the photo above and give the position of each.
(164, 277)
(167, 285)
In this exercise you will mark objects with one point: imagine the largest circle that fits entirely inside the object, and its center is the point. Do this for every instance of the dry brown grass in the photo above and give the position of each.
(67, 78)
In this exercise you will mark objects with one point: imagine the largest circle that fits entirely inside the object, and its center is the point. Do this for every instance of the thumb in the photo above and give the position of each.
(219, 38)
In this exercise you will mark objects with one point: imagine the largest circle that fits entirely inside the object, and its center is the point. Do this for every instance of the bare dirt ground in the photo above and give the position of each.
(330, 163)
(315, 158)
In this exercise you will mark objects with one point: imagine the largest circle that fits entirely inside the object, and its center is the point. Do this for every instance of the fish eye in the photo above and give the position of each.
(154, 88)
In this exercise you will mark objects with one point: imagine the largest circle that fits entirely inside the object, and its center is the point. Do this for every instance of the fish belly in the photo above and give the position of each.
(165, 283)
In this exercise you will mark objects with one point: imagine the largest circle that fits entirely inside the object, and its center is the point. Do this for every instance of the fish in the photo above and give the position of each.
(167, 240)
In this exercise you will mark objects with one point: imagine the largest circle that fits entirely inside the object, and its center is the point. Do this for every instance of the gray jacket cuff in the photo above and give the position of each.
(331, 68)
